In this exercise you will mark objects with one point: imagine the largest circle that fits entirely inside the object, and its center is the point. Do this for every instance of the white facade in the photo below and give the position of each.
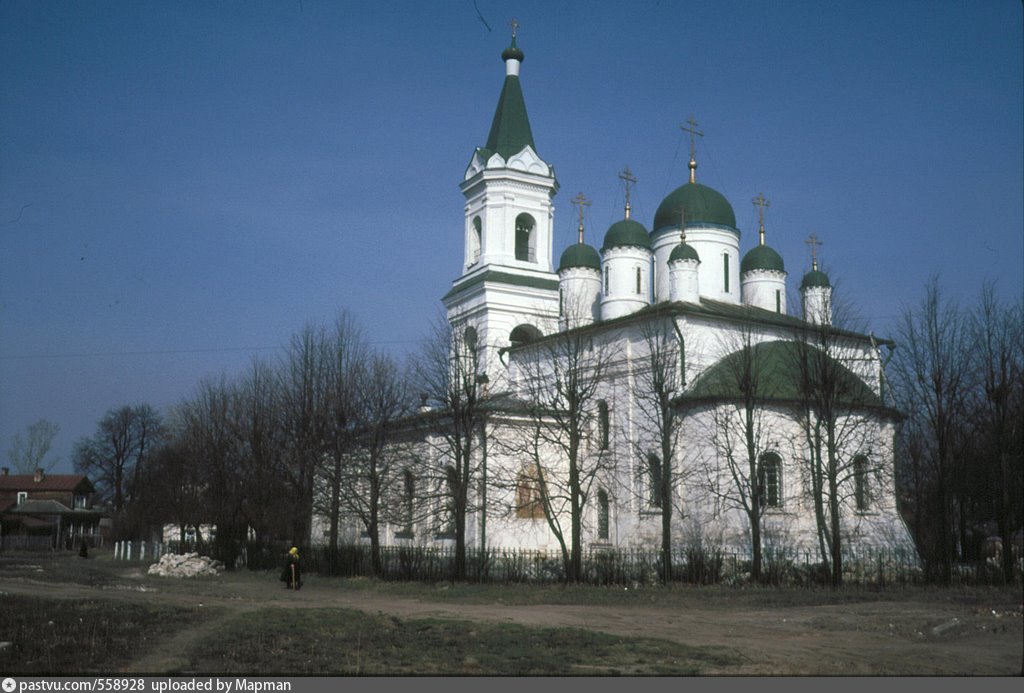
(510, 297)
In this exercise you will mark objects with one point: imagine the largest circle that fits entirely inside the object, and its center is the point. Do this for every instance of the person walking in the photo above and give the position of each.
(292, 573)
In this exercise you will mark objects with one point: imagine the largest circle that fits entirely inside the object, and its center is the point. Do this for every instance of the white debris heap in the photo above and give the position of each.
(182, 565)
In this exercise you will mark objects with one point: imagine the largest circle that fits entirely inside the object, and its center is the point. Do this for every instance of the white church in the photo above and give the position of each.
(680, 300)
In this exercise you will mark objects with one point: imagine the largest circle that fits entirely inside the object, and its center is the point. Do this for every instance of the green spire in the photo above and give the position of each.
(510, 129)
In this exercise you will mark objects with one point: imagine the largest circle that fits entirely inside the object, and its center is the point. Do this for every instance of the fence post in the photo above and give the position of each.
(128, 544)
(142, 550)
(117, 550)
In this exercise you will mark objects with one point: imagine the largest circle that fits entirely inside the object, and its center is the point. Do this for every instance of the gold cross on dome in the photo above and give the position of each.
(813, 241)
(694, 133)
(580, 203)
(627, 177)
(515, 25)
(760, 202)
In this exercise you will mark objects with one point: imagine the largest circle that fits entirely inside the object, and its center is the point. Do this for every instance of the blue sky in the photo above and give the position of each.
(184, 185)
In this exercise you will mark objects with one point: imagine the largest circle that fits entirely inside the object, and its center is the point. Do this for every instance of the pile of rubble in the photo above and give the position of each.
(185, 565)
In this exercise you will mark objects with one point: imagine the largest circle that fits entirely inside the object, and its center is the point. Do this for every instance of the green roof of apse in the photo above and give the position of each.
(683, 251)
(775, 373)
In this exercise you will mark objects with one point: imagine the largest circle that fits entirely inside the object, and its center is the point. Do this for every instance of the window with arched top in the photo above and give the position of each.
(477, 240)
(861, 492)
(770, 480)
(639, 279)
(469, 336)
(603, 424)
(606, 280)
(725, 272)
(602, 514)
(526, 238)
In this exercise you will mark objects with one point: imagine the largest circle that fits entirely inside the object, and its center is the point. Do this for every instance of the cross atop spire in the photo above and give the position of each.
(682, 224)
(628, 178)
(813, 241)
(580, 203)
(694, 133)
(515, 25)
(760, 202)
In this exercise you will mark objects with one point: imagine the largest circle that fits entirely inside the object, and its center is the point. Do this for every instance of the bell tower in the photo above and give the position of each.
(508, 291)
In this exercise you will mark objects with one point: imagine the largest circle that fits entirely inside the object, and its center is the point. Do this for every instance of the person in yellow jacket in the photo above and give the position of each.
(292, 573)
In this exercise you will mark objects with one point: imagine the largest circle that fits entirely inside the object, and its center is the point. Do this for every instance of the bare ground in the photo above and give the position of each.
(923, 632)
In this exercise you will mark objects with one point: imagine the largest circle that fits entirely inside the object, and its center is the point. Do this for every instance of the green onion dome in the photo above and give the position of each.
(683, 251)
(580, 255)
(701, 204)
(512, 52)
(626, 232)
(815, 278)
(761, 257)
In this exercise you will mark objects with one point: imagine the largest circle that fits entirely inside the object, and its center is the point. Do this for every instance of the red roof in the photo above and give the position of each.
(49, 482)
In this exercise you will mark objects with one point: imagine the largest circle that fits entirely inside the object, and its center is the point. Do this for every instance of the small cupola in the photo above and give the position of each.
(816, 289)
(579, 279)
(683, 264)
(762, 271)
(626, 263)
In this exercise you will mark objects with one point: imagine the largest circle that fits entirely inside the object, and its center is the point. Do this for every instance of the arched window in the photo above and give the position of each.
(529, 502)
(478, 234)
(725, 272)
(778, 301)
(602, 514)
(526, 242)
(603, 424)
(470, 337)
(638, 278)
(770, 480)
(860, 482)
(655, 478)
(606, 280)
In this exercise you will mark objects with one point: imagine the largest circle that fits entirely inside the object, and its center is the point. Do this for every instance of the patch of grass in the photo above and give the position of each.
(63, 636)
(342, 642)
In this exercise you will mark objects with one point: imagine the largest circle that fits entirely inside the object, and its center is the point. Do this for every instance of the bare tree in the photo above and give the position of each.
(738, 390)
(659, 379)
(561, 379)
(305, 421)
(29, 452)
(373, 469)
(934, 374)
(832, 400)
(448, 371)
(116, 454)
(998, 332)
(346, 356)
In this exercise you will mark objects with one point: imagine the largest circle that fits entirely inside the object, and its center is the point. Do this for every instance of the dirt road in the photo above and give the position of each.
(924, 634)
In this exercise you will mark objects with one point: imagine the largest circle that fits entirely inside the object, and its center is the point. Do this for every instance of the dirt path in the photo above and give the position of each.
(904, 637)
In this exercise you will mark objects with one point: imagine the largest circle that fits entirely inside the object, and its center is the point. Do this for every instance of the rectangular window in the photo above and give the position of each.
(778, 301)
(638, 281)
(725, 272)
(22, 497)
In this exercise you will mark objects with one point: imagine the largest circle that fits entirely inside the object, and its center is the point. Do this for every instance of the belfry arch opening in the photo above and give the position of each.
(526, 238)
(524, 334)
